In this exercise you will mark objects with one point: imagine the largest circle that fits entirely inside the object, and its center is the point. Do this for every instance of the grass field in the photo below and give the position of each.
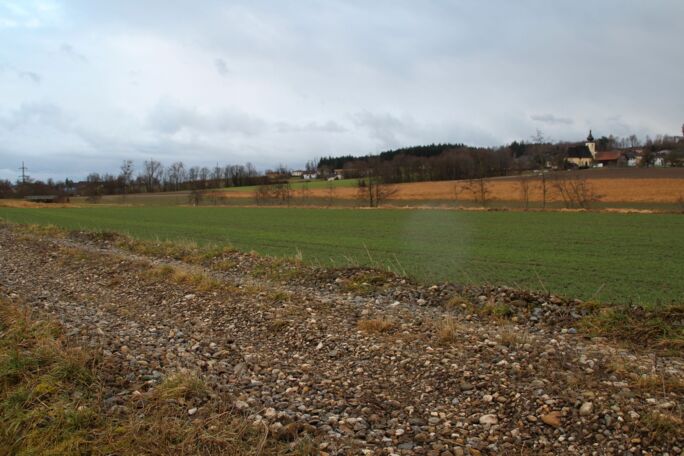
(298, 184)
(611, 257)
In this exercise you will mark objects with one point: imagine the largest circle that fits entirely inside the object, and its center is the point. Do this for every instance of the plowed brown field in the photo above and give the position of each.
(609, 190)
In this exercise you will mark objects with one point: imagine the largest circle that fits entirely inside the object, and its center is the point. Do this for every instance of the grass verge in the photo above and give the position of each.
(52, 402)
(658, 327)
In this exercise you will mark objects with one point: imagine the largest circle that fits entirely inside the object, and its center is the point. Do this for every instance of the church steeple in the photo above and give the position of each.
(591, 145)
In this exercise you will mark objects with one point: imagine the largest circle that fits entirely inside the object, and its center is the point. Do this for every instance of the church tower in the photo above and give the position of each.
(591, 145)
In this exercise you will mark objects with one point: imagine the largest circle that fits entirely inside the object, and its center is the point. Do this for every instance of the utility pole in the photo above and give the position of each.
(23, 173)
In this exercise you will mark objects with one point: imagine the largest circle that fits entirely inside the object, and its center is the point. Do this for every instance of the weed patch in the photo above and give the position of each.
(664, 426)
(198, 281)
(51, 403)
(377, 325)
(660, 326)
(448, 331)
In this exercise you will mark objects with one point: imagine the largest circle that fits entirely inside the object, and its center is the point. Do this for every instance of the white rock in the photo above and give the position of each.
(586, 409)
(489, 419)
(241, 405)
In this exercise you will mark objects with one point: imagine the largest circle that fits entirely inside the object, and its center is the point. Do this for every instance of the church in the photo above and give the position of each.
(582, 156)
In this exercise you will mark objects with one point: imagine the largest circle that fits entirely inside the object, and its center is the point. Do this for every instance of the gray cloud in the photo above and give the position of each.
(551, 119)
(69, 51)
(43, 114)
(30, 76)
(385, 128)
(169, 118)
(327, 127)
(221, 67)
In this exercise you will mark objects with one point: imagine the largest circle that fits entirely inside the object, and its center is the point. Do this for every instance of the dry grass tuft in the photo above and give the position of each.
(659, 326)
(181, 386)
(448, 331)
(376, 325)
(664, 427)
(196, 280)
(184, 250)
(42, 230)
(278, 324)
(513, 338)
(660, 383)
(457, 302)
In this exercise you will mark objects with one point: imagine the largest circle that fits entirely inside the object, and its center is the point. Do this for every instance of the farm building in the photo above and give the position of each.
(45, 198)
(610, 158)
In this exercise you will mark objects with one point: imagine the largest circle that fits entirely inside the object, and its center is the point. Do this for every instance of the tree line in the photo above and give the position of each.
(153, 176)
(458, 161)
(411, 164)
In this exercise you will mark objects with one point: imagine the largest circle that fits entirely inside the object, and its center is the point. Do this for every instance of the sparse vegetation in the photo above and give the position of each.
(376, 325)
(664, 426)
(513, 338)
(448, 330)
(658, 326)
(198, 281)
(660, 383)
(51, 402)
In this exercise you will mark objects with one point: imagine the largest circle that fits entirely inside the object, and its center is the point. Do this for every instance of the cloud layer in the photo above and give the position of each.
(87, 84)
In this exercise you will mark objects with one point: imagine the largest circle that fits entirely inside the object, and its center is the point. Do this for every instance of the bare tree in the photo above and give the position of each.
(278, 193)
(203, 176)
(543, 184)
(524, 187)
(217, 176)
(479, 188)
(576, 192)
(331, 192)
(176, 174)
(457, 191)
(93, 188)
(195, 197)
(152, 172)
(305, 191)
(372, 186)
(126, 176)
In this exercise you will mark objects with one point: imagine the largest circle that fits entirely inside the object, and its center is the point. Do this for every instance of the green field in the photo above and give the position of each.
(298, 184)
(611, 257)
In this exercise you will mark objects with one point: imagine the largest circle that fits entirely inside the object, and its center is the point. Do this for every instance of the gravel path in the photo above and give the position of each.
(291, 355)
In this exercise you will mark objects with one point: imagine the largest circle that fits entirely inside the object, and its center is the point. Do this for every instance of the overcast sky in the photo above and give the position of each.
(85, 84)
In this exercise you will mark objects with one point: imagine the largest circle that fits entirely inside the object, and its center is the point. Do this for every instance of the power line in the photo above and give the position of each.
(23, 170)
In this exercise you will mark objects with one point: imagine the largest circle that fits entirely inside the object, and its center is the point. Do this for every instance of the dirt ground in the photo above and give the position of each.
(30, 204)
(607, 189)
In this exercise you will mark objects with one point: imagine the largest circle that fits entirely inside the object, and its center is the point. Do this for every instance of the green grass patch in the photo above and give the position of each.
(620, 258)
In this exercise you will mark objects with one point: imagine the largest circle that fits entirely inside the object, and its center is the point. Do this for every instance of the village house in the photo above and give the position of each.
(610, 158)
